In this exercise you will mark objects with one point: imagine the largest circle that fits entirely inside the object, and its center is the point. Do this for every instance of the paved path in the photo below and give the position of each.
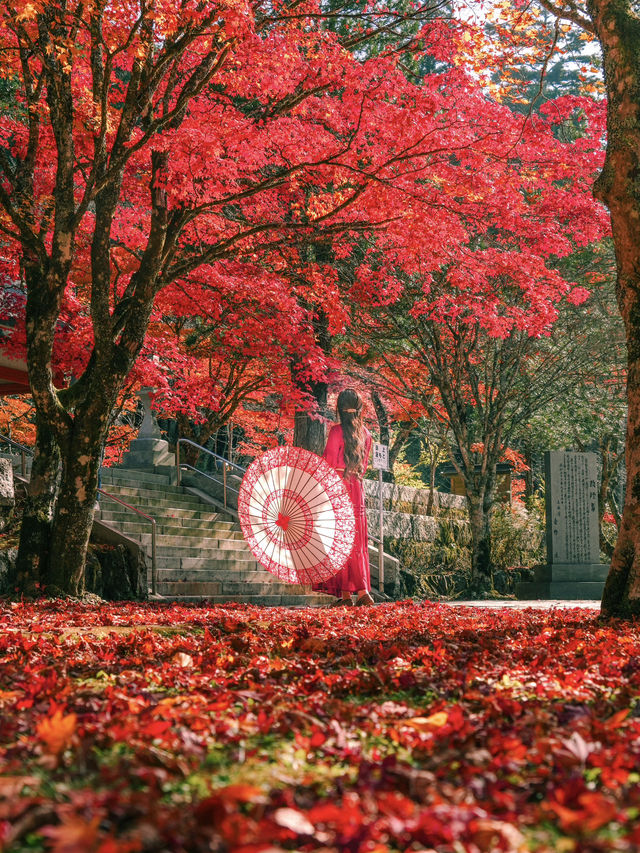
(520, 605)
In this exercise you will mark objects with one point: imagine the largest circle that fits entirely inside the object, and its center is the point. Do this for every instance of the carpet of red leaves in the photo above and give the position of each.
(403, 727)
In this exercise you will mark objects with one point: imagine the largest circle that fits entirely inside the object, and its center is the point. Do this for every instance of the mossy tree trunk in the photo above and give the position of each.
(30, 572)
(616, 25)
(480, 487)
(618, 186)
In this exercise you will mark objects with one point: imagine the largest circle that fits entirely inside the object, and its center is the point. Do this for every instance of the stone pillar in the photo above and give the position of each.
(148, 451)
(573, 569)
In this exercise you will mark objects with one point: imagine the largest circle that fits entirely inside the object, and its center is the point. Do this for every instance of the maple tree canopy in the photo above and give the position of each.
(177, 162)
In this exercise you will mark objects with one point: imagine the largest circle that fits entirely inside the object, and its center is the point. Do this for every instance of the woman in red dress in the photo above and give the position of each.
(347, 450)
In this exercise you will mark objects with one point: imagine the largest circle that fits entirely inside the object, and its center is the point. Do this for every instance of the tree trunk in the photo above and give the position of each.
(481, 568)
(603, 491)
(309, 432)
(432, 482)
(618, 31)
(480, 487)
(73, 520)
(383, 427)
(31, 568)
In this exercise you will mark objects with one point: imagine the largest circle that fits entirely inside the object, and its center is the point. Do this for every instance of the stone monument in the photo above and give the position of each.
(149, 450)
(573, 569)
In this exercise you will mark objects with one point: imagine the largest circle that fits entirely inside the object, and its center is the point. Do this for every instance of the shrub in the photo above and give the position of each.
(517, 534)
(438, 568)
(442, 567)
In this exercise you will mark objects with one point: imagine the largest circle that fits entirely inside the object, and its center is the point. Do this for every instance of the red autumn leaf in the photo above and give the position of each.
(599, 809)
(317, 738)
(240, 794)
(156, 728)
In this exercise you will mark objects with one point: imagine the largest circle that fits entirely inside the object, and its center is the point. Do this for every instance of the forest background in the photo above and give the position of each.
(246, 206)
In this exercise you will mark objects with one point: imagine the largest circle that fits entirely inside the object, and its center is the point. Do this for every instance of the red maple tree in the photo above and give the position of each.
(150, 150)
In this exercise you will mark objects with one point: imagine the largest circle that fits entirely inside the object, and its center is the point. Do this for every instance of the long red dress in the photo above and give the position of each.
(355, 575)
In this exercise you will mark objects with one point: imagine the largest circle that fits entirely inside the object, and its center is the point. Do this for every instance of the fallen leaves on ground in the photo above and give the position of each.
(405, 727)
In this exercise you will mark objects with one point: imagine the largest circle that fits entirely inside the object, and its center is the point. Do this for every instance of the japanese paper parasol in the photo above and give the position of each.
(296, 515)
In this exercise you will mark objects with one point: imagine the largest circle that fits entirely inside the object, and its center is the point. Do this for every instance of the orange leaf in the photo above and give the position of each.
(73, 836)
(428, 724)
(240, 794)
(619, 717)
(56, 731)
(11, 786)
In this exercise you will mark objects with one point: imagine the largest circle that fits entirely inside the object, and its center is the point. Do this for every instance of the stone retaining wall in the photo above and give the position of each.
(407, 500)
(402, 525)
(405, 511)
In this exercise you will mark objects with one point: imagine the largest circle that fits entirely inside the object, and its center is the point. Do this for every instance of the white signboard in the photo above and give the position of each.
(381, 457)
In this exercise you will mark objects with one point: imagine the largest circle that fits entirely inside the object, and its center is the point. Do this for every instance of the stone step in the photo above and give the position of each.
(113, 511)
(148, 496)
(194, 560)
(230, 565)
(197, 557)
(168, 523)
(236, 563)
(273, 587)
(206, 573)
(314, 600)
(207, 588)
(178, 537)
(188, 546)
(128, 475)
(135, 483)
(138, 526)
(182, 499)
(161, 507)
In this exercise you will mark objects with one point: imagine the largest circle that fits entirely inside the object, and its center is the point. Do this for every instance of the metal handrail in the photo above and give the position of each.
(225, 464)
(154, 567)
(23, 450)
(185, 465)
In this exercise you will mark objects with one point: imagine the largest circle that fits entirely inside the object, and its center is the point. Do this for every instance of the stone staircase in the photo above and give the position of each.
(200, 551)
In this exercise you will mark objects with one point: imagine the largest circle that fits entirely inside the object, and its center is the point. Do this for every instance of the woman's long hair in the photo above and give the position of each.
(350, 414)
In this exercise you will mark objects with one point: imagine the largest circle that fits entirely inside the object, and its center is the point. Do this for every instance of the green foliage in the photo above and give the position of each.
(588, 346)
(441, 567)
(517, 534)
(407, 475)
